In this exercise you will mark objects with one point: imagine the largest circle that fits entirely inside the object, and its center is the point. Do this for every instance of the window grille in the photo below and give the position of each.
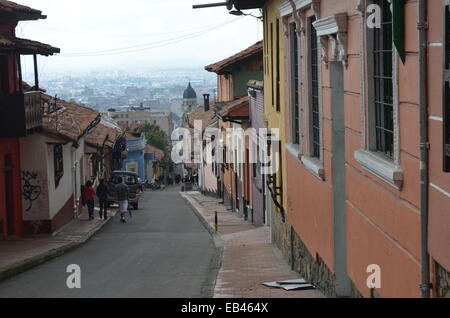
(446, 103)
(383, 82)
(295, 85)
(314, 90)
(58, 163)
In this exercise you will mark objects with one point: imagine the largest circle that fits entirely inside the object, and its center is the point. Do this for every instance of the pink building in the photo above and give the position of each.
(360, 99)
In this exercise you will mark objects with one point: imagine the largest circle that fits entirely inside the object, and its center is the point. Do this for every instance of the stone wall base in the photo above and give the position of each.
(442, 282)
(311, 268)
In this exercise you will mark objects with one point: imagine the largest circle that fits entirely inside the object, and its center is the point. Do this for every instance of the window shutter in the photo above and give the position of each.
(446, 103)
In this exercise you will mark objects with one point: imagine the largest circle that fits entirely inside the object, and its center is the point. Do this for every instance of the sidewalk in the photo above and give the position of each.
(21, 254)
(248, 260)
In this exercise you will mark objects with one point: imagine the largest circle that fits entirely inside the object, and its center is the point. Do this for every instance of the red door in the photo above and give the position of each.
(9, 200)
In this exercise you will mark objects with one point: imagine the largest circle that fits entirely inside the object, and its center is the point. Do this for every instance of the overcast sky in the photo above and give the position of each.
(159, 33)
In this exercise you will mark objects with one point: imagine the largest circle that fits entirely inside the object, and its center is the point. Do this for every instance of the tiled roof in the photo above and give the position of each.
(159, 154)
(223, 109)
(69, 121)
(24, 46)
(103, 133)
(233, 105)
(219, 66)
(9, 6)
(199, 114)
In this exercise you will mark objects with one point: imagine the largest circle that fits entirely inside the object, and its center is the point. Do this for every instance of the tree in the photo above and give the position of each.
(157, 138)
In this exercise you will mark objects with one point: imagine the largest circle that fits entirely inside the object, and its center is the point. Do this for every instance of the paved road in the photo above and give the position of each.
(163, 252)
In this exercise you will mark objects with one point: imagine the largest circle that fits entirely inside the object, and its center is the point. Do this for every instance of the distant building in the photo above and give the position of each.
(161, 118)
(189, 100)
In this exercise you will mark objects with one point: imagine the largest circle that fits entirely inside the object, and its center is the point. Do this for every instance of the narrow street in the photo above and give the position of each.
(164, 251)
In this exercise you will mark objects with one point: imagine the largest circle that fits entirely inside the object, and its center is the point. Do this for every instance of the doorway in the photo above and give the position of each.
(9, 200)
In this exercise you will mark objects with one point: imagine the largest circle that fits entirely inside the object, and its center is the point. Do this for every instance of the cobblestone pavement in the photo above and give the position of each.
(248, 258)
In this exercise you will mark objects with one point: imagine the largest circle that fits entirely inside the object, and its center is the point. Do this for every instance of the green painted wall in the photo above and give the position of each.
(241, 76)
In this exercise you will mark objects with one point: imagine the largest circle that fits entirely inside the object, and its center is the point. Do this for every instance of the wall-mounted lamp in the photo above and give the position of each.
(240, 13)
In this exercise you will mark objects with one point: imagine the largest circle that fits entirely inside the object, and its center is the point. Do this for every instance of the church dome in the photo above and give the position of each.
(189, 93)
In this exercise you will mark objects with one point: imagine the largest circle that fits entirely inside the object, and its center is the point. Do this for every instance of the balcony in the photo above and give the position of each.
(34, 109)
(20, 114)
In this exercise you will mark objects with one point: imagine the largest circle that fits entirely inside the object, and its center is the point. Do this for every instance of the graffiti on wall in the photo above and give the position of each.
(30, 191)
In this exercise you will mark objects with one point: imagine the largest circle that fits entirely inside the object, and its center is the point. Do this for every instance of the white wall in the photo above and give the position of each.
(37, 164)
(58, 196)
(33, 163)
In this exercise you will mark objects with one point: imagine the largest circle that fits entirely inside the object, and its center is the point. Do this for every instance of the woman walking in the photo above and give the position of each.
(89, 193)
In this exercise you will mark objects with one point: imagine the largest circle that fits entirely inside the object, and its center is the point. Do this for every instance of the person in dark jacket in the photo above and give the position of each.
(102, 194)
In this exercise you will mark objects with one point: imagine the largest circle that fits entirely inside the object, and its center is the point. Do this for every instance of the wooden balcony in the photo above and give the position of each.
(34, 109)
(20, 114)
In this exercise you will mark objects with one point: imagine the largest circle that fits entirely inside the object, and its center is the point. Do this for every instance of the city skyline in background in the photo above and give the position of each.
(107, 37)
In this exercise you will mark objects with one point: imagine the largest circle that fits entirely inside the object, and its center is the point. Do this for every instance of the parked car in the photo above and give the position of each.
(134, 187)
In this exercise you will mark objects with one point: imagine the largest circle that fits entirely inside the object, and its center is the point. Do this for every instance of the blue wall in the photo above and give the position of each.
(135, 157)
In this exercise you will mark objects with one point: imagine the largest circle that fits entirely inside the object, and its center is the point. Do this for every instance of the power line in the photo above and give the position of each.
(147, 46)
(158, 34)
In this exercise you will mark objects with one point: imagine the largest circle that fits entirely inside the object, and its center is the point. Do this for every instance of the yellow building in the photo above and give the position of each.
(274, 113)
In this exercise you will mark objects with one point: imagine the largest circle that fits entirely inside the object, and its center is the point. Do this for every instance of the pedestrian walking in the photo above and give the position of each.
(102, 194)
(122, 196)
(89, 194)
(195, 177)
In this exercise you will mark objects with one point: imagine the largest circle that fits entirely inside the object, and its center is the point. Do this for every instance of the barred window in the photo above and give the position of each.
(295, 85)
(58, 163)
(314, 90)
(382, 76)
(278, 100)
(271, 63)
(446, 103)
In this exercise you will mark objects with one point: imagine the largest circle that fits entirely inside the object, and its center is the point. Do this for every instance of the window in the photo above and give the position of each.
(257, 166)
(381, 155)
(446, 103)
(271, 62)
(314, 91)
(4, 81)
(58, 163)
(278, 101)
(295, 81)
(382, 82)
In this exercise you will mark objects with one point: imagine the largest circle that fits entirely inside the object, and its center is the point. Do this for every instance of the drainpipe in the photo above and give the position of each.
(74, 184)
(424, 145)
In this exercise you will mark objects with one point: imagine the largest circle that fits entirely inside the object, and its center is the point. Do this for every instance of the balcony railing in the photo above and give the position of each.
(20, 114)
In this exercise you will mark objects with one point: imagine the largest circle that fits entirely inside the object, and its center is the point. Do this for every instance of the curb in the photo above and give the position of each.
(27, 264)
(216, 261)
(194, 207)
